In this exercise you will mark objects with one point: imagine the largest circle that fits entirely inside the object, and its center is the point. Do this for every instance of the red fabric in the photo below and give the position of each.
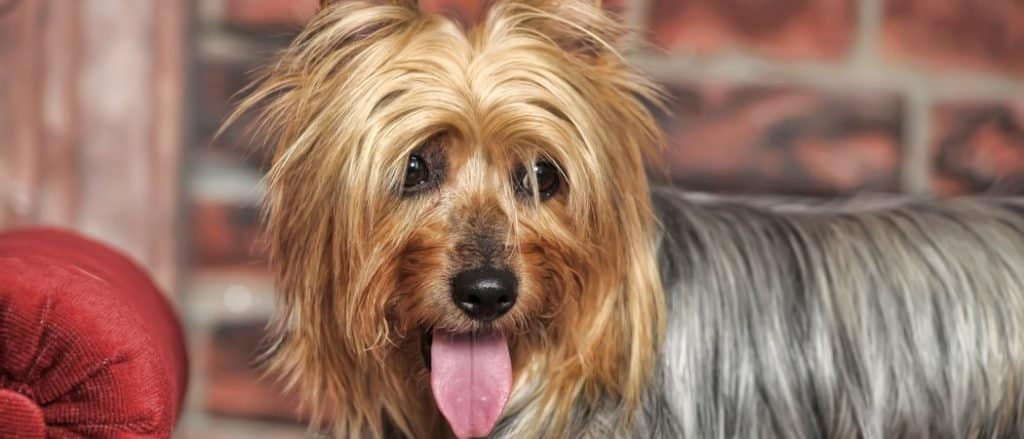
(20, 417)
(86, 339)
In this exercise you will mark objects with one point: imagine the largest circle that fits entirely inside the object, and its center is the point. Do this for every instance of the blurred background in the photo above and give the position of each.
(107, 108)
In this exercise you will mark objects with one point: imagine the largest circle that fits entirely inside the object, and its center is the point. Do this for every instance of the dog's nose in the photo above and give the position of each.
(484, 293)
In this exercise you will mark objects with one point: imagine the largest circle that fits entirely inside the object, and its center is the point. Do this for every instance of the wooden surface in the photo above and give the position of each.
(91, 121)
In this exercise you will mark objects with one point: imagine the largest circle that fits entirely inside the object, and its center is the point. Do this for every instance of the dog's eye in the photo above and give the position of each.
(416, 172)
(548, 180)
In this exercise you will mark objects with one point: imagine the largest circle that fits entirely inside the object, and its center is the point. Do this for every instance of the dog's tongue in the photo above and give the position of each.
(471, 375)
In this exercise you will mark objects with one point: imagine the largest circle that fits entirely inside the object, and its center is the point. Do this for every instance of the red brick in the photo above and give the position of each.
(956, 34)
(217, 81)
(218, 84)
(269, 14)
(227, 235)
(468, 12)
(236, 382)
(778, 28)
(978, 147)
(617, 7)
(761, 139)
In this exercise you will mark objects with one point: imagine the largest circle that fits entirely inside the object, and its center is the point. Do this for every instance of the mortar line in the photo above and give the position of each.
(869, 27)
(916, 164)
(748, 69)
(635, 19)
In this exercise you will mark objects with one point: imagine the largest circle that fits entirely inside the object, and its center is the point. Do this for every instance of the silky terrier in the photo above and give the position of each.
(466, 243)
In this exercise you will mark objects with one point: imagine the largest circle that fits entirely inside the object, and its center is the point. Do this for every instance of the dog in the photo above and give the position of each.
(468, 241)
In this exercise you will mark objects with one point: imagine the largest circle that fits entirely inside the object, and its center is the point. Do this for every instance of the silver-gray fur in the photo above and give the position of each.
(892, 317)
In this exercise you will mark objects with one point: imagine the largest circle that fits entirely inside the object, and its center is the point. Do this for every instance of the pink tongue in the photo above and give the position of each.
(471, 375)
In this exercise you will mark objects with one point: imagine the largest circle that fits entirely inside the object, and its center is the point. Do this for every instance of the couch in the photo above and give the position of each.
(89, 346)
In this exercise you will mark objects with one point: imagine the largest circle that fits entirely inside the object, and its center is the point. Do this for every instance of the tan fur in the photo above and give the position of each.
(361, 270)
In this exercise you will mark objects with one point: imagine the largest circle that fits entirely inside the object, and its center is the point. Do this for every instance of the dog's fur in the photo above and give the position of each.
(642, 311)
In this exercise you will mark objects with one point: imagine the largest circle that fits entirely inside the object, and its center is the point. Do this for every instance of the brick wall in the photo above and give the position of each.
(817, 97)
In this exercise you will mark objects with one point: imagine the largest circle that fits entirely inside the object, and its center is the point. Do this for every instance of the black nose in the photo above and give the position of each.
(484, 293)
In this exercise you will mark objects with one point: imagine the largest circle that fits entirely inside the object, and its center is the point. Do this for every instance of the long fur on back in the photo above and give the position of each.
(884, 317)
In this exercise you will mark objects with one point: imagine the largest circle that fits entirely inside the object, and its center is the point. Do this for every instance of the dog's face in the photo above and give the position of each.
(465, 205)
(486, 260)
(488, 239)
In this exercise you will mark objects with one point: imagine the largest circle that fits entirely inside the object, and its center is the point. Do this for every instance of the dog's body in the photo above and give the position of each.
(881, 317)
(460, 219)
(887, 318)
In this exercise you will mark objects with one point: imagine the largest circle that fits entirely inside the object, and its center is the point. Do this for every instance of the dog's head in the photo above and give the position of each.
(465, 210)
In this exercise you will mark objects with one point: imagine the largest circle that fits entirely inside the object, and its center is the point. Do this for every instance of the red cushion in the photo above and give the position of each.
(89, 347)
